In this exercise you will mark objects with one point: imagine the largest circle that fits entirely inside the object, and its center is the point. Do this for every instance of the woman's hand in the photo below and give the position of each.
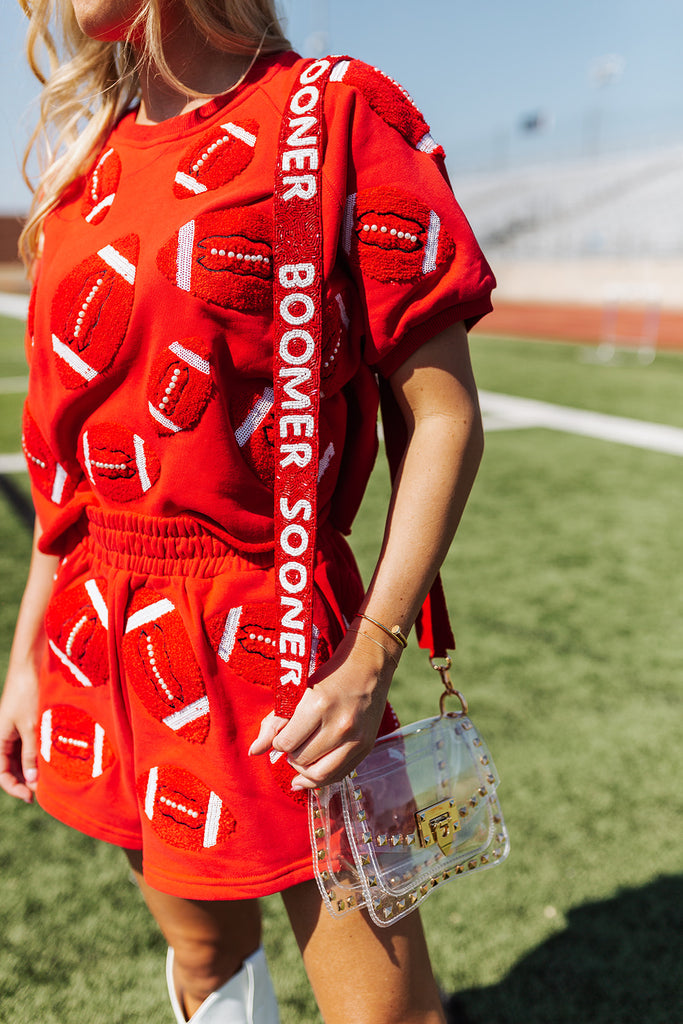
(337, 720)
(19, 703)
(18, 721)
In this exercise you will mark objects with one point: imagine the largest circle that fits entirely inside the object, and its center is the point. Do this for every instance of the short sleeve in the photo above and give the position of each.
(413, 256)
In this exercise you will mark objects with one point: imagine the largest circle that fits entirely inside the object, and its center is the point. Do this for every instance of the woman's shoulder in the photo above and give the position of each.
(357, 89)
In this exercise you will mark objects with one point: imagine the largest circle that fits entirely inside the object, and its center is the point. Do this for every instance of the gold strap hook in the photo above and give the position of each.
(448, 688)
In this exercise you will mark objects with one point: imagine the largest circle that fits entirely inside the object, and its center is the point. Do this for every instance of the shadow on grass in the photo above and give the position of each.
(617, 962)
(17, 499)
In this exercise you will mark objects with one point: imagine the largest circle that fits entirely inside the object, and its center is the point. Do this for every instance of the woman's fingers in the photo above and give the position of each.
(331, 767)
(306, 721)
(29, 760)
(12, 777)
(270, 727)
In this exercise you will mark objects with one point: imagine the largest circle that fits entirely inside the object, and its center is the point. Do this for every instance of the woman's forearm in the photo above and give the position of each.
(29, 634)
(432, 486)
(19, 702)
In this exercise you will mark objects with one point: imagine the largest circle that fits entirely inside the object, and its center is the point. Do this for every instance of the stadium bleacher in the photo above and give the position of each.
(619, 206)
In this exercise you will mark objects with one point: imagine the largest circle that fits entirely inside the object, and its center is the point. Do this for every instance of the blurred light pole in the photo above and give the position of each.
(602, 73)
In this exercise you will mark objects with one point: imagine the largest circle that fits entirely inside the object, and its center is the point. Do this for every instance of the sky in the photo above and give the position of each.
(476, 70)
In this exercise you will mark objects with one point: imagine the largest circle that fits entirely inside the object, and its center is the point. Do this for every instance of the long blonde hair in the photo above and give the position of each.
(89, 84)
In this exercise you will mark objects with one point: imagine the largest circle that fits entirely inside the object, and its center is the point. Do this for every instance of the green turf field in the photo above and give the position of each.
(564, 587)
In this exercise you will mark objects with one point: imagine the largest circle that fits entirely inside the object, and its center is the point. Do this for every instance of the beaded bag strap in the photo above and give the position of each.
(297, 318)
(298, 278)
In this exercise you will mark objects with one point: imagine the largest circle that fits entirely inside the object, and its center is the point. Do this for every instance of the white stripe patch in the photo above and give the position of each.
(184, 259)
(113, 258)
(160, 418)
(141, 462)
(151, 792)
(97, 749)
(149, 614)
(427, 144)
(105, 156)
(189, 714)
(228, 639)
(97, 602)
(255, 417)
(58, 484)
(240, 133)
(191, 184)
(46, 735)
(213, 817)
(102, 205)
(315, 641)
(347, 228)
(342, 310)
(339, 70)
(190, 357)
(86, 457)
(74, 669)
(432, 246)
(327, 457)
(73, 359)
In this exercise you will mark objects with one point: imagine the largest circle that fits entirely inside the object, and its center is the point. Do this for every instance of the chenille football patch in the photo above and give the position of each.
(246, 640)
(335, 332)
(160, 664)
(91, 310)
(389, 100)
(182, 810)
(393, 237)
(216, 158)
(101, 186)
(253, 422)
(119, 463)
(47, 475)
(224, 257)
(74, 744)
(253, 418)
(76, 625)
(180, 386)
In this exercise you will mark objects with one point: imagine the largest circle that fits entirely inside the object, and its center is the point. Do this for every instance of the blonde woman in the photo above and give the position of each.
(148, 701)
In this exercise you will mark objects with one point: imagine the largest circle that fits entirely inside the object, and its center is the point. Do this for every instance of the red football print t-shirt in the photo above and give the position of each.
(151, 344)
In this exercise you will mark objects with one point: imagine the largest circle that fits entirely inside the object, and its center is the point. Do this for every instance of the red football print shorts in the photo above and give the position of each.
(161, 664)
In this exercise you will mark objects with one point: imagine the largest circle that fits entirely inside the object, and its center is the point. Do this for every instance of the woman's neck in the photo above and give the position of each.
(198, 65)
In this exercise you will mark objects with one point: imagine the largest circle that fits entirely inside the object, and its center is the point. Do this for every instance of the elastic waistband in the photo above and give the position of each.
(159, 546)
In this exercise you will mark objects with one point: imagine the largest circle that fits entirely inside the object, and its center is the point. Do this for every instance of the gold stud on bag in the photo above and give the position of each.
(419, 811)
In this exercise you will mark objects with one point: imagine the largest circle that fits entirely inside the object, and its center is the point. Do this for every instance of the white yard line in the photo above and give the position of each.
(12, 463)
(13, 385)
(13, 305)
(505, 412)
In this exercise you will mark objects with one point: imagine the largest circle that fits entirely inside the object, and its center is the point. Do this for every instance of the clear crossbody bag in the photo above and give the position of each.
(419, 811)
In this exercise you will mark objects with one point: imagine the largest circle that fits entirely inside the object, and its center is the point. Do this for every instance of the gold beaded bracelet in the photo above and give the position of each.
(396, 633)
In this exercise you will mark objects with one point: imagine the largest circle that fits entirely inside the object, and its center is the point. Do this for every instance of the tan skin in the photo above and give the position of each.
(387, 971)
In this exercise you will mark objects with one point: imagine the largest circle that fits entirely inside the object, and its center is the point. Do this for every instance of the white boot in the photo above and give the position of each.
(246, 998)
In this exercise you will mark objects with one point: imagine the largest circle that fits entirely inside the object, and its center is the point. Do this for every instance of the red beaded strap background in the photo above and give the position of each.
(297, 301)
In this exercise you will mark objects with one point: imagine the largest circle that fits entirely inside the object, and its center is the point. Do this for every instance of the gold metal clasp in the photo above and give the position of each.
(438, 824)
(448, 688)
